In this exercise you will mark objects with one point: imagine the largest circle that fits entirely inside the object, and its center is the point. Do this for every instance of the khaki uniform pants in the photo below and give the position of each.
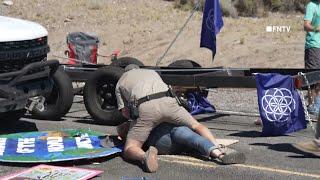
(154, 112)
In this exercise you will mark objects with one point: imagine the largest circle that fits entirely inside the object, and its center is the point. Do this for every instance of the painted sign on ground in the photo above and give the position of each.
(46, 172)
(53, 146)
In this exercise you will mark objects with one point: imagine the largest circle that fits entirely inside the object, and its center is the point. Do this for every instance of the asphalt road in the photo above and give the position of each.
(267, 157)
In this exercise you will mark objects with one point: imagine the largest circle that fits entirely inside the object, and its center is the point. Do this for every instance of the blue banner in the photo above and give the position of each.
(280, 106)
(199, 104)
(53, 146)
(212, 23)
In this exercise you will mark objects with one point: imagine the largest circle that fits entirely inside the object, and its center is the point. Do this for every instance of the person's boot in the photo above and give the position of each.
(150, 160)
(309, 147)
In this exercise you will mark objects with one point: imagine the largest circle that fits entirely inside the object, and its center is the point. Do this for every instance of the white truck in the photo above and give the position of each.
(27, 80)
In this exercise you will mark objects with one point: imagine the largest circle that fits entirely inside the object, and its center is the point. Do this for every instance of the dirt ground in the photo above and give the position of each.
(144, 29)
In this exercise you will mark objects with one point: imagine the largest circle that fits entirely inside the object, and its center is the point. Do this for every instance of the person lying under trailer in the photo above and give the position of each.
(172, 139)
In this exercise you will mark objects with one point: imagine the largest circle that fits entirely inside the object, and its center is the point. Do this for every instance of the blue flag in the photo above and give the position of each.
(280, 106)
(212, 23)
(199, 104)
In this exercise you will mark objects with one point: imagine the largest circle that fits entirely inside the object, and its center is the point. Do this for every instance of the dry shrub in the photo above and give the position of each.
(96, 4)
(252, 8)
(188, 4)
(228, 8)
(255, 8)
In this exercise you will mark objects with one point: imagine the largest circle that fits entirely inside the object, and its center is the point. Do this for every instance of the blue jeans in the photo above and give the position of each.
(171, 139)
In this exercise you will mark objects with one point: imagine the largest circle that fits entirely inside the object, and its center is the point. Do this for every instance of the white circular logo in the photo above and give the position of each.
(278, 104)
(210, 21)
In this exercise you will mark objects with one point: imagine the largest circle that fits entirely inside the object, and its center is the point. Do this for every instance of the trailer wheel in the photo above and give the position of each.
(10, 118)
(185, 63)
(59, 101)
(125, 61)
(99, 96)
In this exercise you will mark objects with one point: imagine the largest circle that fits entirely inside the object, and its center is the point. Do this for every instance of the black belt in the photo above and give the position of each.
(153, 96)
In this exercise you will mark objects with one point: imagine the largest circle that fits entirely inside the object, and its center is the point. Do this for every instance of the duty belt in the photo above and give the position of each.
(153, 96)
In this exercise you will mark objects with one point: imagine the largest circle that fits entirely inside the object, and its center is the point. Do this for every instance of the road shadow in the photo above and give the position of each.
(89, 121)
(286, 147)
(210, 118)
(252, 134)
(30, 116)
(19, 126)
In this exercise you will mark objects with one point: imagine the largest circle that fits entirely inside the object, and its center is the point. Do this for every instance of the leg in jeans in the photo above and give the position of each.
(171, 139)
(160, 138)
(186, 137)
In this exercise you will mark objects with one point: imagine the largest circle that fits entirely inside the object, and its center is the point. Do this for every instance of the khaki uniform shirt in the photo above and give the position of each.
(138, 83)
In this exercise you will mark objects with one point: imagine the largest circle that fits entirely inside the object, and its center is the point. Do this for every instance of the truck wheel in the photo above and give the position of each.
(99, 96)
(11, 117)
(125, 61)
(59, 101)
(184, 63)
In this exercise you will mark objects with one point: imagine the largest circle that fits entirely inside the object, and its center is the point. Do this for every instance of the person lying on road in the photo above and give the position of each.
(172, 139)
(143, 97)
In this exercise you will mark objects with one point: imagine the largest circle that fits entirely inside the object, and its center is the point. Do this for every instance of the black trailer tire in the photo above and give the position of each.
(99, 96)
(10, 118)
(125, 61)
(60, 100)
(185, 63)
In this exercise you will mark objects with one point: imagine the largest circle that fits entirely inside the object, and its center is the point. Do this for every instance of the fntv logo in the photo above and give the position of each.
(279, 29)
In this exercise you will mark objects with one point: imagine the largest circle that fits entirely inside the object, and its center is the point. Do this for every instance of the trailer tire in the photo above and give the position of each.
(10, 118)
(184, 63)
(99, 96)
(125, 61)
(60, 100)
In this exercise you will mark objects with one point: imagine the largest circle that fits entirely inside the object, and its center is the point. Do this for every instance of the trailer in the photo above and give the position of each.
(183, 75)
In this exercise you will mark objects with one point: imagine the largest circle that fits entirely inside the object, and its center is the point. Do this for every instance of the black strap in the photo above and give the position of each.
(153, 96)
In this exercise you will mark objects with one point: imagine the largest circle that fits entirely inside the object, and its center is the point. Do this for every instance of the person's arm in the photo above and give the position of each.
(308, 19)
(309, 28)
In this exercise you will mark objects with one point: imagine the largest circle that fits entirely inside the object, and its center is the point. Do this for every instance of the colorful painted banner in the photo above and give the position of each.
(46, 172)
(53, 146)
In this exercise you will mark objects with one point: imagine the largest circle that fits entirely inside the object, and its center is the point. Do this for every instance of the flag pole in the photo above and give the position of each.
(197, 5)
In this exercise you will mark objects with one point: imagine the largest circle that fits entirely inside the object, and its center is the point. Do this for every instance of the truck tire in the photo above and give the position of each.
(184, 63)
(10, 118)
(99, 96)
(125, 61)
(59, 101)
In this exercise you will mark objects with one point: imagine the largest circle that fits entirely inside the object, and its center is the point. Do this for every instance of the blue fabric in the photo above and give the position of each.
(171, 139)
(212, 23)
(280, 106)
(30, 147)
(199, 104)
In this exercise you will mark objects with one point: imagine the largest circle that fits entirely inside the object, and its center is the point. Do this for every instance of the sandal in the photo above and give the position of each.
(230, 156)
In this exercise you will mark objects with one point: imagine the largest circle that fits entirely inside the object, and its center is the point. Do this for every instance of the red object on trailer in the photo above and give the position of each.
(83, 48)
